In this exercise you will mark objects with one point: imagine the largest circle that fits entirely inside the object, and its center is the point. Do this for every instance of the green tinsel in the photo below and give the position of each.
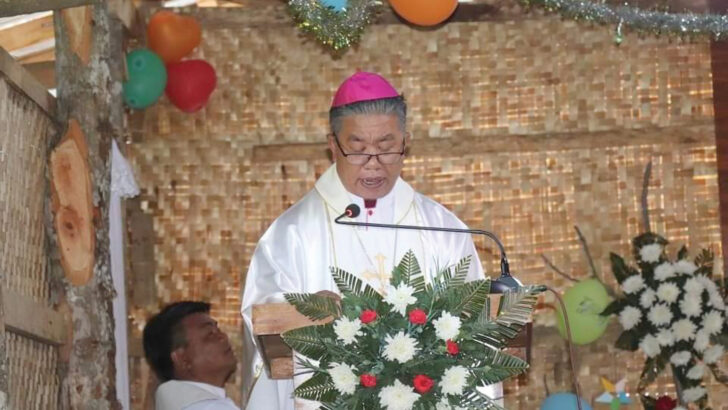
(647, 21)
(338, 30)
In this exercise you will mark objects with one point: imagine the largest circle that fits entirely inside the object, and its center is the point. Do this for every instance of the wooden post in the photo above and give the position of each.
(89, 69)
(719, 63)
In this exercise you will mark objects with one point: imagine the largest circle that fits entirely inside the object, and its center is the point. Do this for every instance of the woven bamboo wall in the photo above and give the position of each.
(523, 127)
(24, 130)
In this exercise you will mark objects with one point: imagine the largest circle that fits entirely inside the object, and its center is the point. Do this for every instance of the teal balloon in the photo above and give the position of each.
(337, 5)
(147, 78)
(584, 301)
(563, 401)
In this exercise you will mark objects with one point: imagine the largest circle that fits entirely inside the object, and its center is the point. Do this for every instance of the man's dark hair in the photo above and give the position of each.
(163, 334)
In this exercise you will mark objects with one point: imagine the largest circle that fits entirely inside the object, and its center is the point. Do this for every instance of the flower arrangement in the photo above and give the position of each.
(674, 312)
(422, 345)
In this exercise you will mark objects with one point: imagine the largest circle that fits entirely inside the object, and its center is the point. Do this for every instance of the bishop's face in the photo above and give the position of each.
(360, 137)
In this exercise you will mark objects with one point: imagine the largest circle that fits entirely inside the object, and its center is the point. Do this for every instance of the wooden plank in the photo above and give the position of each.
(26, 83)
(276, 318)
(31, 319)
(466, 143)
(27, 33)
(44, 72)
(15, 7)
(39, 53)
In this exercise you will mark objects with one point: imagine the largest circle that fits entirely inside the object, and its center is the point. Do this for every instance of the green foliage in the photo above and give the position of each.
(479, 340)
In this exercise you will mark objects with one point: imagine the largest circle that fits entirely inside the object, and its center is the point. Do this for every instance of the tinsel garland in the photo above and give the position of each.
(654, 22)
(338, 30)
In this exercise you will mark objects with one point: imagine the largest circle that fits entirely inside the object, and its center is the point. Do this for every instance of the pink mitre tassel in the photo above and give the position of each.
(363, 86)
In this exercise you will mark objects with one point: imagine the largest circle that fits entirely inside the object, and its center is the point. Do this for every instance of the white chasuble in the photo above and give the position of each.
(297, 251)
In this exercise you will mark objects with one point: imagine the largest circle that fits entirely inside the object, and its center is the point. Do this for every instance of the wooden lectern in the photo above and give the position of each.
(272, 319)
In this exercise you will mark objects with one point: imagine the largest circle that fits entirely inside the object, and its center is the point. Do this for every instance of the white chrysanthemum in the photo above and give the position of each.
(664, 270)
(660, 314)
(696, 372)
(343, 377)
(347, 330)
(665, 337)
(398, 396)
(690, 306)
(684, 329)
(680, 358)
(693, 285)
(693, 394)
(685, 267)
(633, 284)
(400, 297)
(651, 252)
(668, 292)
(650, 346)
(716, 300)
(447, 326)
(400, 347)
(454, 380)
(629, 317)
(702, 340)
(713, 354)
(707, 283)
(647, 298)
(713, 322)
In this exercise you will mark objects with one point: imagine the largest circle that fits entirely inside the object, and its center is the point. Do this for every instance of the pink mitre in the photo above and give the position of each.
(363, 86)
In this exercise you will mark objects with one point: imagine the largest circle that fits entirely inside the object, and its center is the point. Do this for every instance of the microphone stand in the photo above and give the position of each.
(504, 283)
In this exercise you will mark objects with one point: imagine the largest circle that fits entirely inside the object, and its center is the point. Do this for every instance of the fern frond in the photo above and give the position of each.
(313, 306)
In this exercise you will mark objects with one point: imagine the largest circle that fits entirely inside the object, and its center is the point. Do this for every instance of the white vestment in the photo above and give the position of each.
(295, 254)
(189, 395)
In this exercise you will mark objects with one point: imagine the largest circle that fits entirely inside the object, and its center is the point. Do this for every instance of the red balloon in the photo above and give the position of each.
(190, 83)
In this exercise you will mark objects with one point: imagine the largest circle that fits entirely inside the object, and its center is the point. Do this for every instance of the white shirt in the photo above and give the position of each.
(297, 250)
(189, 395)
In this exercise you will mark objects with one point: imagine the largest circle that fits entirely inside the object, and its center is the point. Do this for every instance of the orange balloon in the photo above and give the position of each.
(424, 12)
(172, 36)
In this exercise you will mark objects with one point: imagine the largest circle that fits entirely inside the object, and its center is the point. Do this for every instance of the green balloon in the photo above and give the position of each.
(584, 301)
(146, 80)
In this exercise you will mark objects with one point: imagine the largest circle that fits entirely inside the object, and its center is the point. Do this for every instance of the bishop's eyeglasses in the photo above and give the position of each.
(384, 158)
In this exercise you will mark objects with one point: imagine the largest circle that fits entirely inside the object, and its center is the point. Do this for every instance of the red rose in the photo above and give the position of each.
(368, 316)
(368, 380)
(665, 403)
(418, 317)
(423, 384)
(452, 347)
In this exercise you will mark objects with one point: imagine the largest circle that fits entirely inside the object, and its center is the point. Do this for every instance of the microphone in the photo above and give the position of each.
(504, 283)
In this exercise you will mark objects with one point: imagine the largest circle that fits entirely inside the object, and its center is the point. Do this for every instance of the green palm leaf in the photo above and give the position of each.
(307, 341)
(474, 399)
(459, 273)
(469, 298)
(498, 366)
(318, 388)
(513, 313)
(314, 307)
(408, 271)
(349, 284)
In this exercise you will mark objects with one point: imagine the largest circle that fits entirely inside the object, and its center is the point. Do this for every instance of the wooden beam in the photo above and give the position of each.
(465, 143)
(29, 318)
(29, 85)
(27, 33)
(79, 30)
(124, 10)
(15, 7)
(44, 72)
